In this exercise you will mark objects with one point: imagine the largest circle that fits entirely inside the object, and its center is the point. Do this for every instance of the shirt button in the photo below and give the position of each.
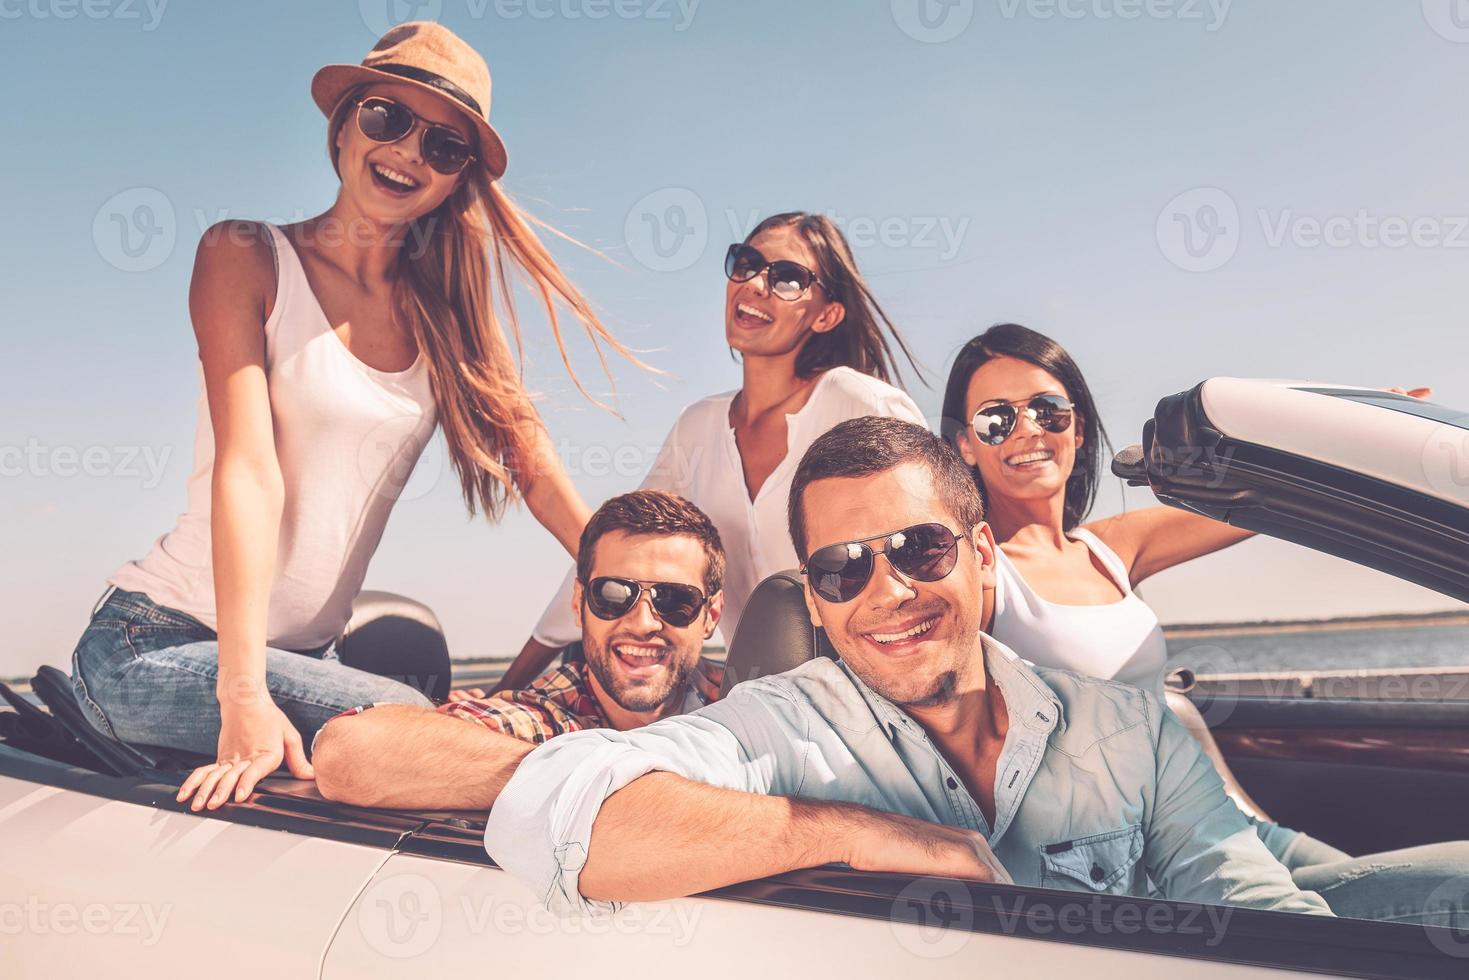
(1097, 873)
(953, 783)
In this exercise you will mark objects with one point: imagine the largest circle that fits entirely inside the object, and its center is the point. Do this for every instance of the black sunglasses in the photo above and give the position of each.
(923, 552)
(788, 280)
(385, 121)
(612, 598)
(994, 423)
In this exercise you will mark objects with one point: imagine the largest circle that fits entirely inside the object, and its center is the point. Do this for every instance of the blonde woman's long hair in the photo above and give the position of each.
(452, 269)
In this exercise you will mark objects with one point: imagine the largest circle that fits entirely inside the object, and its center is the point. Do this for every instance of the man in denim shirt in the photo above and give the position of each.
(928, 749)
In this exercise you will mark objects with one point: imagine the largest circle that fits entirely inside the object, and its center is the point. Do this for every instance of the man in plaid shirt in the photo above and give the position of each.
(648, 595)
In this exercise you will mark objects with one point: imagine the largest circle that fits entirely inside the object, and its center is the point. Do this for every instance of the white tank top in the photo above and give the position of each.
(1120, 640)
(347, 437)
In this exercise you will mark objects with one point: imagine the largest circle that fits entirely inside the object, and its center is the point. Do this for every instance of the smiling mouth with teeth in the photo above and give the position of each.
(1037, 456)
(914, 633)
(638, 655)
(392, 180)
(750, 313)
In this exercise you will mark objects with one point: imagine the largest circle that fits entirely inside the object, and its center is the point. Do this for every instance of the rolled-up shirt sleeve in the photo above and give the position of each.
(1200, 847)
(540, 828)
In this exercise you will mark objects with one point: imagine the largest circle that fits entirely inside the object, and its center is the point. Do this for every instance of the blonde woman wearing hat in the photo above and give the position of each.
(330, 350)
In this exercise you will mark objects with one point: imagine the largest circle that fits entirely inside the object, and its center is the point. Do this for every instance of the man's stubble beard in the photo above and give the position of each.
(599, 661)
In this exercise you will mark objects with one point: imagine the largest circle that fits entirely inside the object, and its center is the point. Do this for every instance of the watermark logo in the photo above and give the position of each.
(38, 460)
(381, 16)
(1216, 703)
(1094, 917)
(932, 21)
(667, 230)
(1446, 460)
(148, 13)
(1199, 230)
(135, 230)
(401, 916)
(1448, 18)
(1449, 903)
(1211, 13)
(932, 917)
(391, 464)
(679, 12)
(37, 918)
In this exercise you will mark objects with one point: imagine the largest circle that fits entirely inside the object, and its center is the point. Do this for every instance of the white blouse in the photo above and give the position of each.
(701, 462)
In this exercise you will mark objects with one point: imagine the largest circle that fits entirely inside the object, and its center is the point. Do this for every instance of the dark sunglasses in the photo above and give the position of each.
(612, 598)
(385, 121)
(994, 423)
(923, 552)
(788, 280)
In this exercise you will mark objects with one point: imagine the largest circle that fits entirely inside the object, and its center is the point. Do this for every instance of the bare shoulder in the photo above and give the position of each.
(234, 265)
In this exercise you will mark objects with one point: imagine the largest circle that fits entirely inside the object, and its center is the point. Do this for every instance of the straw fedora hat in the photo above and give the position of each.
(430, 57)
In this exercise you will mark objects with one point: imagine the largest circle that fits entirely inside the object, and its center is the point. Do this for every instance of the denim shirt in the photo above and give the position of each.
(1098, 788)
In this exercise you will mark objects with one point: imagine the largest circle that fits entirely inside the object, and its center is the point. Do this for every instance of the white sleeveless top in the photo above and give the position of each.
(347, 437)
(1121, 640)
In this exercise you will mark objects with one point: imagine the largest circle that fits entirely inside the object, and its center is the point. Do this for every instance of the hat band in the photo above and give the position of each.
(435, 81)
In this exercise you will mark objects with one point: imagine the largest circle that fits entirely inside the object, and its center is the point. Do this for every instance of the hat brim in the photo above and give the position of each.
(331, 83)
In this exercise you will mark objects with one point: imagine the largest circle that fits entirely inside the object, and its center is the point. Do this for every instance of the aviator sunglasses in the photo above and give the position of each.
(612, 598)
(994, 423)
(385, 121)
(923, 552)
(788, 280)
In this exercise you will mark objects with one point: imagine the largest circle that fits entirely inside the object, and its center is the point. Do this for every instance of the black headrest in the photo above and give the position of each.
(397, 637)
(775, 633)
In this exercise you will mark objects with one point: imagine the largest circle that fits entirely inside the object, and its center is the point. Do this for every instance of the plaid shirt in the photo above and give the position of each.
(561, 701)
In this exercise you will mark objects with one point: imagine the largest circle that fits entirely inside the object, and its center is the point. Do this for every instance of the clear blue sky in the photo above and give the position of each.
(992, 160)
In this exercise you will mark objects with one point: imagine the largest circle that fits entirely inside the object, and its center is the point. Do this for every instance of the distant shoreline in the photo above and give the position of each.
(1266, 627)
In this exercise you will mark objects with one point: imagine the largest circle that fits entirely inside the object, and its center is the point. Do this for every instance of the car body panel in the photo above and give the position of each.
(423, 915)
(93, 883)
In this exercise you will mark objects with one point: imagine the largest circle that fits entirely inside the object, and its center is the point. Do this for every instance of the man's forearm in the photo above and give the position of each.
(663, 836)
(414, 758)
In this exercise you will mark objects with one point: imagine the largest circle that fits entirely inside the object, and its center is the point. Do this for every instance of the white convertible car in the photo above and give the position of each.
(105, 875)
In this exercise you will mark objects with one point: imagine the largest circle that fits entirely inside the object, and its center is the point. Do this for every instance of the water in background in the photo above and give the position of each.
(1346, 649)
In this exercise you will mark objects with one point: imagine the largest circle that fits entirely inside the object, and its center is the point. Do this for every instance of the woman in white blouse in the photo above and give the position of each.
(816, 349)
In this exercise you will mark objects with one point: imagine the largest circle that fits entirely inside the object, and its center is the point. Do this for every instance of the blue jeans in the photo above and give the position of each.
(1426, 885)
(145, 674)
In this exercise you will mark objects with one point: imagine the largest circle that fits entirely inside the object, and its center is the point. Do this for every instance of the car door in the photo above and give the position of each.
(107, 876)
(1370, 762)
(440, 906)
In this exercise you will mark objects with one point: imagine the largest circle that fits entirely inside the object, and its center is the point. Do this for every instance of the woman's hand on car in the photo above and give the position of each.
(1413, 392)
(254, 739)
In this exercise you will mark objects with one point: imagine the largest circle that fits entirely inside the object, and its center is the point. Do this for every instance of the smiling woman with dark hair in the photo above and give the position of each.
(1021, 414)
(816, 349)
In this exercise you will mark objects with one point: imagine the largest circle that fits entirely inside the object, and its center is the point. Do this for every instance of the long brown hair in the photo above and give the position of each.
(859, 341)
(452, 268)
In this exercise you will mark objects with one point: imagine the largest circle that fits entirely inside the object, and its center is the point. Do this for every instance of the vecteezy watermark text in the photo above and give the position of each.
(402, 916)
(36, 459)
(1200, 230)
(669, 230)
(38, 918)
(380, 16)
(148, 12)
